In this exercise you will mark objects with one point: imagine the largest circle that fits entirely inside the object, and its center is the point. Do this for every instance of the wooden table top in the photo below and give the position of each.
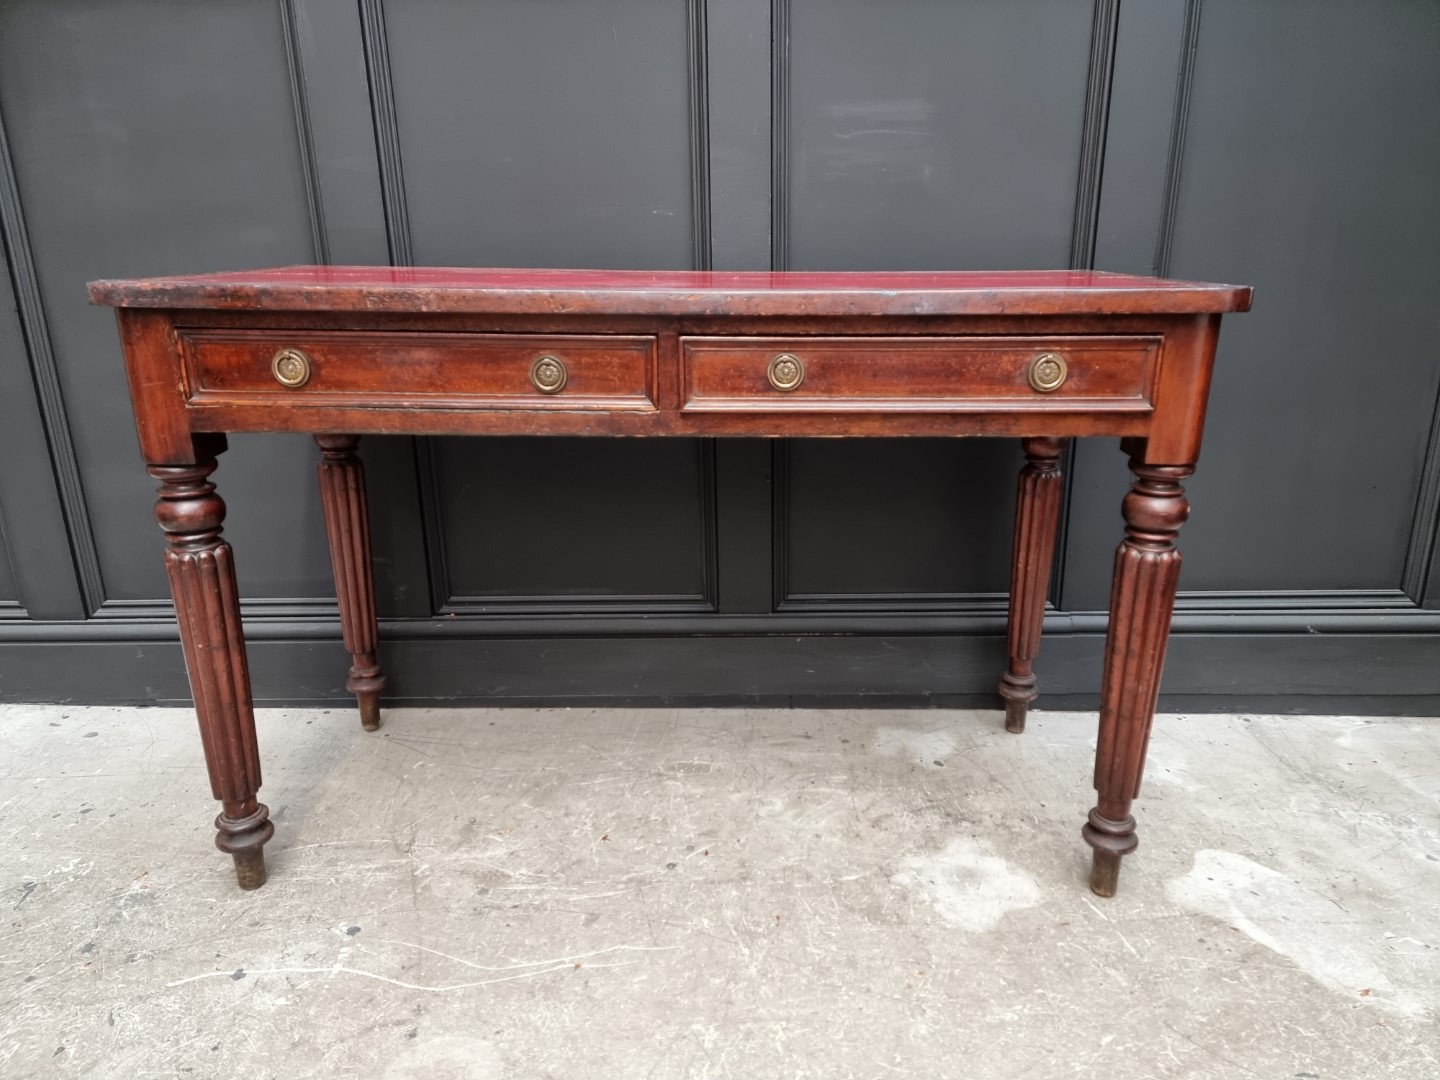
(676, 292)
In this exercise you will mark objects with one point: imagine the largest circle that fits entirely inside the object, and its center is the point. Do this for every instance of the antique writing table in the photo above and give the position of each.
(344, 351)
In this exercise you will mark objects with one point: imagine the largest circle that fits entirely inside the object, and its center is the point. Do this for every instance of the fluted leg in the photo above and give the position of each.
(1037, 514)
(347, 521)
(1142, 598)
(207, 607)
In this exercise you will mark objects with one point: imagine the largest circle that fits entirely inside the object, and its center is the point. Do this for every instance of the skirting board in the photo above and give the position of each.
(1382, 674)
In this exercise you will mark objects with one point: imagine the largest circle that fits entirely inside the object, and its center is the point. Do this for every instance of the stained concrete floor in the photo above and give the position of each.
(514, 894)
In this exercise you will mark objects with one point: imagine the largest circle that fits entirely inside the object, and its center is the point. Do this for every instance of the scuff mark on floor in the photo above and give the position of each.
(972, 890)
(1333, 945)
(925, 746)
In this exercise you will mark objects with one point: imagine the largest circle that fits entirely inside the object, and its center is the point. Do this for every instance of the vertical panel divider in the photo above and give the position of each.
(1096, 119)
(9, 609)
(780, 24)
(701, 225)
(1422, 556)
(304, 133)
(698, 70)
(1099, 82)
(376, 41)
(738, 148)
(744, 533)
(780, 521)
(779, 134)
(436, 556)
(1175, 158)
(337, 131)
(87, 594)
(374, 35)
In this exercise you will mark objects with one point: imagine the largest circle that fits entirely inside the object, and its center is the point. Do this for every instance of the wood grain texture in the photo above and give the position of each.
(1105, 374)
(556, 292)
(1037, 518)
(347, 524)
(434, 370)
(207, 606)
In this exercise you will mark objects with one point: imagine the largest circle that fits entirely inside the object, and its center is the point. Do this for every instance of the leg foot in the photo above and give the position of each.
(1105, 873)
(347, 522)
(249, 868)
(369, 701)
(243, 838)
(1112, 841)
(1037, 515)
(1018, 691)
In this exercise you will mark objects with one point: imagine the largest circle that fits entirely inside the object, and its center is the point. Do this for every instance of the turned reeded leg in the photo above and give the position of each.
(347, 521)
(1037, 514)
(1147, 569)
(207, 607)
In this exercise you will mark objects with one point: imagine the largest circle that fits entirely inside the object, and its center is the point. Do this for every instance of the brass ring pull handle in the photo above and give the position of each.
(1048, 372)
(786, 371)
(291, 368)
(549, 374)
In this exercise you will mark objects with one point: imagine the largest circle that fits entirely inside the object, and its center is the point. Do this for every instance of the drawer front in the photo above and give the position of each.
(497, 371)
(1102, 373)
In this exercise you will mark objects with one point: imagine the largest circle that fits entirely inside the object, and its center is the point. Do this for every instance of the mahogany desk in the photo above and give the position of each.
(344, 351)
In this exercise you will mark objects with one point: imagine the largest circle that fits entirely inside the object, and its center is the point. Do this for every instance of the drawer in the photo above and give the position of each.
(1101, 373)
(500, 371)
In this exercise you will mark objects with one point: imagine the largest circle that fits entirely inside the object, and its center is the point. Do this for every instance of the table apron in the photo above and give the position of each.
(978, 419)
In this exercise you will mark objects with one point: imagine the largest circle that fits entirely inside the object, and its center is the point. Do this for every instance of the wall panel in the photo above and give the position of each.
(9, 593)
(556, 134)
(934, 136)
(146, 139)
(621, 523)
(1310, 163)
(922, 135)
(1291, 146)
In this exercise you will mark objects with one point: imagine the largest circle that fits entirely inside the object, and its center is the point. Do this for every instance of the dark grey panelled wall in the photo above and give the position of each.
(1291, 145)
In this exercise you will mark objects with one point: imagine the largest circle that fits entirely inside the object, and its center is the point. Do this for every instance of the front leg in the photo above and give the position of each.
(347, 523)
(207, 607)
(1142, 598)
(1037, 515)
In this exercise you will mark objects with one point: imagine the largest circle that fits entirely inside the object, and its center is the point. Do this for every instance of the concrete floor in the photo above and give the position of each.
(514, 894)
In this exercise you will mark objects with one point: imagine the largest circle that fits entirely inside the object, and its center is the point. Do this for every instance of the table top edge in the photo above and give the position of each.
(678, 293)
